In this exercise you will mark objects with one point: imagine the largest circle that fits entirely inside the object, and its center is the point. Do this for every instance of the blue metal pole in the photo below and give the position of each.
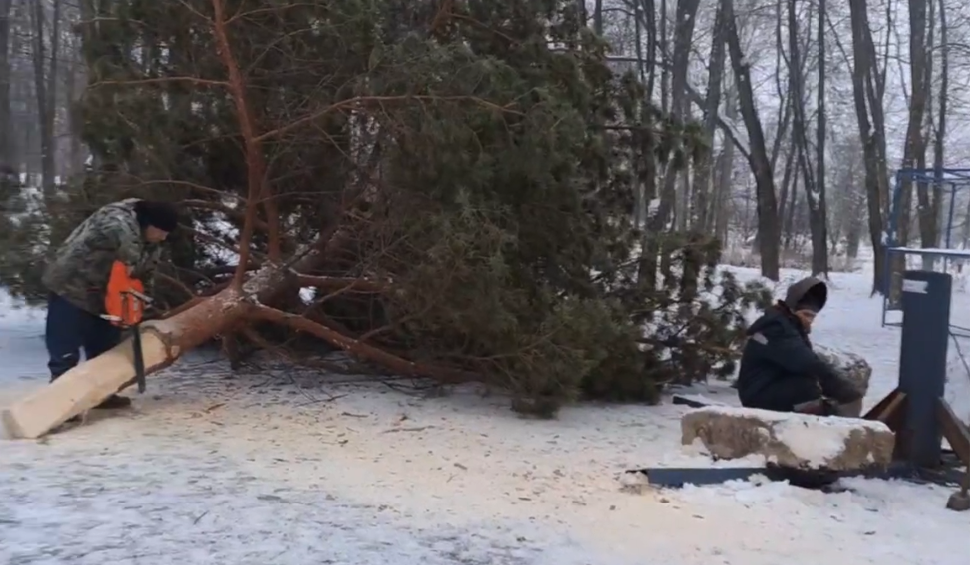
(949, 219)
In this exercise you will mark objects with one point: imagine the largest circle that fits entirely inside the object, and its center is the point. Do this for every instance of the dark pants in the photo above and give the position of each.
(71, 329)
(783, 395)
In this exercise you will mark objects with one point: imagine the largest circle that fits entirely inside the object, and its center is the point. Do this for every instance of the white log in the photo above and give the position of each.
(81, 388)
(88, 384)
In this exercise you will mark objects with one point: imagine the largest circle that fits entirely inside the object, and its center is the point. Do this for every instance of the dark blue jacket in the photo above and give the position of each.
(779, 369)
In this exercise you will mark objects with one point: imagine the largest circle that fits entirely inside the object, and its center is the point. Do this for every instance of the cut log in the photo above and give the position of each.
(796, 441)
(86, 385)
(851, 367)
(81, 389)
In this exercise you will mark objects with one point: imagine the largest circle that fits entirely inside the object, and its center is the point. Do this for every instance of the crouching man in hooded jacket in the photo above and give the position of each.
(76, 278)
(780, 371)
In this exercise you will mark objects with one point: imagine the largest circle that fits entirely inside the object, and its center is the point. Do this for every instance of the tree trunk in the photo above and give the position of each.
(686, 16)
(7, 159)
(657, 222)
(817, 220)
(790, 207)
(702, 178)
(85, 386)
(45, 87)
(768, 229)
(725, 168)
(866, 94)
(820, 258)
(914, 146)
(941, 110)
(598, 17)
(75, 123)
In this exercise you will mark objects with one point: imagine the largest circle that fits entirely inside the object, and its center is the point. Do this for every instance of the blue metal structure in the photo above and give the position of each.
(951, 181)
(923, 363)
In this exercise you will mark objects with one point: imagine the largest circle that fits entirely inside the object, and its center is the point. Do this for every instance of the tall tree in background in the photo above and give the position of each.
(814, 192)
(45, 84)
(769, 234)
(820, 260)
(6, 153)
(939, 139)
(868, 87)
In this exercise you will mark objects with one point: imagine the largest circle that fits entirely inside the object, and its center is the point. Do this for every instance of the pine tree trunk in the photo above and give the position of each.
(85, 386)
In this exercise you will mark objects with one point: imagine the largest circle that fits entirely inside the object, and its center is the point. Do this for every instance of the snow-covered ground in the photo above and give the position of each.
(277, 466)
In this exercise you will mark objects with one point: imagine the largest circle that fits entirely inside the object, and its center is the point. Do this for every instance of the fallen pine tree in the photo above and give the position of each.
(459, 212)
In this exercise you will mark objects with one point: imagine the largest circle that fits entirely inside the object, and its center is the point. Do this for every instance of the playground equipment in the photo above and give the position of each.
(952, 182)
(916, 410)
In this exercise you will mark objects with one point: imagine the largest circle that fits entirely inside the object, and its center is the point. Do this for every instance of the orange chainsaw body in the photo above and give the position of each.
(124, 299)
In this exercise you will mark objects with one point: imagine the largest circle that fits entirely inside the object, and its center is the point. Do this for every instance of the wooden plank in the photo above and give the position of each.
(880, 407)
(955, 432)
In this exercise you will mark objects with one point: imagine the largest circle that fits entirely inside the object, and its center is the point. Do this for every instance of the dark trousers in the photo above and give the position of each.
(71, 329)
(782, 395)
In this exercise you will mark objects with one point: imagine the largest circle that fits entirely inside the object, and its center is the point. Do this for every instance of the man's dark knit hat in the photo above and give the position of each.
(161, 215)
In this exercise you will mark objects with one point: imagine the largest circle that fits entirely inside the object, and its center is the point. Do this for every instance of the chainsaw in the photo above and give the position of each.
(125, 304)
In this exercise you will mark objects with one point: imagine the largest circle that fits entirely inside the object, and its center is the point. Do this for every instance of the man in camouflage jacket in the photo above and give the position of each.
(129, 231)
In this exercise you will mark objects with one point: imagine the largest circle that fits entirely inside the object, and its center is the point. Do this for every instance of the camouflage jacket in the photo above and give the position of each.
(80, 268)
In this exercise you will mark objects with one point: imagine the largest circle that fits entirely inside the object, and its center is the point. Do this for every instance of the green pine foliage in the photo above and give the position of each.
(492, 157)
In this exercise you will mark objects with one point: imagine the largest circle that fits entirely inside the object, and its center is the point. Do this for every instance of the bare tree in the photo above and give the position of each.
(868, 85)
(813, 195)
(45, 86)
(820, 261)
(702, 179)
(6, 156)
(915, 142)
(941, 110)
(768, 229)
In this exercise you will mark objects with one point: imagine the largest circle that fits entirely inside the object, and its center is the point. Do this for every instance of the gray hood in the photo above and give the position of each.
(805, 287)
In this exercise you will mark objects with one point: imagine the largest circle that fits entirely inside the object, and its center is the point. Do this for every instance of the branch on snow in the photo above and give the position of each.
(397, 365)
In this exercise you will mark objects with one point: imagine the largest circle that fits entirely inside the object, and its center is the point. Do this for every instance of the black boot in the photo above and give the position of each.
(114, 402)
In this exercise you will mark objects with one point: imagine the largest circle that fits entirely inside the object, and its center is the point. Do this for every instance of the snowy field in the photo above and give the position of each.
(278, 467)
